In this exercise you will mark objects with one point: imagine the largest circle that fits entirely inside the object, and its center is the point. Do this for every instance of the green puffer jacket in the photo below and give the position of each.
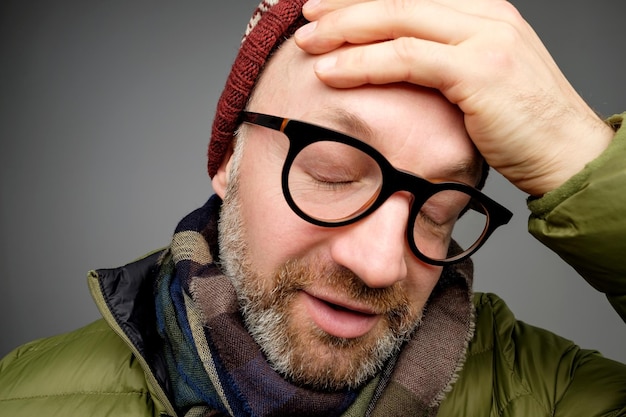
(110, 367)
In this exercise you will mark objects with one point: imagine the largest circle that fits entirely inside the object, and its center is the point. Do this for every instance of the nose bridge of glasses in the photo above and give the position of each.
(397, 180)
(388, 182)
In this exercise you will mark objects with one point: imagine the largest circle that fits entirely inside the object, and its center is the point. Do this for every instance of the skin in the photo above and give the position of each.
(417, 130)
(519, 109)
(499, 92)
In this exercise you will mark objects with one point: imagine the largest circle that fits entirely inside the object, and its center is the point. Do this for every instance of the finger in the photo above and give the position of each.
(499, 9)
(459, 72)
(417, 61)
(315, 9)
(349, 17)
(375, 21)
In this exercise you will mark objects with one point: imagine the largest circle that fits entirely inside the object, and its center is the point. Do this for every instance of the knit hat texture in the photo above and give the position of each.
(273, 22)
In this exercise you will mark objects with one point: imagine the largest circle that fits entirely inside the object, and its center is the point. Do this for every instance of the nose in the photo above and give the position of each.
(375, 247)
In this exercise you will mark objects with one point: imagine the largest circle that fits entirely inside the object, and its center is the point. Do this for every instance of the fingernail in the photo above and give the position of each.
(310, 6)
(325, 64)
(304, 31)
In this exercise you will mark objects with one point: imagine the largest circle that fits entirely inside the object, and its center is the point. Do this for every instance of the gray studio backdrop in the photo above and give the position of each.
(105, 113)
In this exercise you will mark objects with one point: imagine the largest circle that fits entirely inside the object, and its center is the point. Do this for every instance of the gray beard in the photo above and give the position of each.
(303, 353)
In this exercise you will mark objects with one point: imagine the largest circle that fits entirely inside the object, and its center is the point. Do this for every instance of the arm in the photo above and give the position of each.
(584, 221)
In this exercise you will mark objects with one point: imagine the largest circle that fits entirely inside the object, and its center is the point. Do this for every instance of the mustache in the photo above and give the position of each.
(298, 274)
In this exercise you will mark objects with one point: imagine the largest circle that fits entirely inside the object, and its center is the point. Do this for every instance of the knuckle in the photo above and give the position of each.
(505, 33)
(407, 62)
(400, 7)
(403, 48)
(507, 12)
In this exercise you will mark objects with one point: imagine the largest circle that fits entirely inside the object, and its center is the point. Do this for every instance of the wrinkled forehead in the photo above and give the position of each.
(288, 83)
(397, 119)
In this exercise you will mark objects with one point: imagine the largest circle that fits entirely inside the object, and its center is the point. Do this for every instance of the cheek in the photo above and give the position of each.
(275, 235)
(421, 280)
(273, 232)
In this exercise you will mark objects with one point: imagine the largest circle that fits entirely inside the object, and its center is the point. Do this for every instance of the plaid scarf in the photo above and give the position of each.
(217, 369)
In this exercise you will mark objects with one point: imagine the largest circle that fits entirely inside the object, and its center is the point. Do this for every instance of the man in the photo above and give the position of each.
(331, 280)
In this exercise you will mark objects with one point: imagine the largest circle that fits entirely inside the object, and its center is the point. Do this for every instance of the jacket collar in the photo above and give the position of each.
(128, 296)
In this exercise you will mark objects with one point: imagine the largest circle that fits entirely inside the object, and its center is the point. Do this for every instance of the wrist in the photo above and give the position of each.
(584, 144)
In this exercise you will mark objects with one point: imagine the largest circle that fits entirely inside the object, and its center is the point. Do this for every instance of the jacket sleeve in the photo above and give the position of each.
(584, 221)
(514, 369)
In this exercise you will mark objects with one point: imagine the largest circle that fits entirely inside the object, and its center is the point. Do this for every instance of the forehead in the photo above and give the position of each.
(416, 128)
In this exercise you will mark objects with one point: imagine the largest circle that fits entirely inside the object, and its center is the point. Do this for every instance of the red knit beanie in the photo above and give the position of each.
(273, 22)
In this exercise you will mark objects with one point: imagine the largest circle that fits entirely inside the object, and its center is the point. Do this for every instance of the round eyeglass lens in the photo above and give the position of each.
(447, 216)
(332, 182)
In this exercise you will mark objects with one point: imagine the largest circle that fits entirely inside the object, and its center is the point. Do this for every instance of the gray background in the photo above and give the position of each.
(105, 113)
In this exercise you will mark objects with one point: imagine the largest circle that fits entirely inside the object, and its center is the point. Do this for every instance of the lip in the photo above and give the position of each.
(339, 318)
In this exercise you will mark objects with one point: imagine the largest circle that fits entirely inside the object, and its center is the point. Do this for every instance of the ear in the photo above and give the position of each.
(220, 179)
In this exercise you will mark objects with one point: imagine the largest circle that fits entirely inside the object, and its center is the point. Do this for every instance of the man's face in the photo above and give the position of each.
(328, 306)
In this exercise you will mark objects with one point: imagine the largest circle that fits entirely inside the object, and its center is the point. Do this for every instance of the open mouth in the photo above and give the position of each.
(338, 320)
(338, 307)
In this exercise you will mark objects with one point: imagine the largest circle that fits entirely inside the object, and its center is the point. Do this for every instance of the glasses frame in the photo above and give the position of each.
(301, 134)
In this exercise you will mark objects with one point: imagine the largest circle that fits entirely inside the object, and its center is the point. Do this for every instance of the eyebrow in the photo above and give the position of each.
(347, 122)
(353, 125)
(471, 168)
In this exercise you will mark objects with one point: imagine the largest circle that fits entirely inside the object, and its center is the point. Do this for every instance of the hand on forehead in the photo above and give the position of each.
(359, 21)
(520, 110)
